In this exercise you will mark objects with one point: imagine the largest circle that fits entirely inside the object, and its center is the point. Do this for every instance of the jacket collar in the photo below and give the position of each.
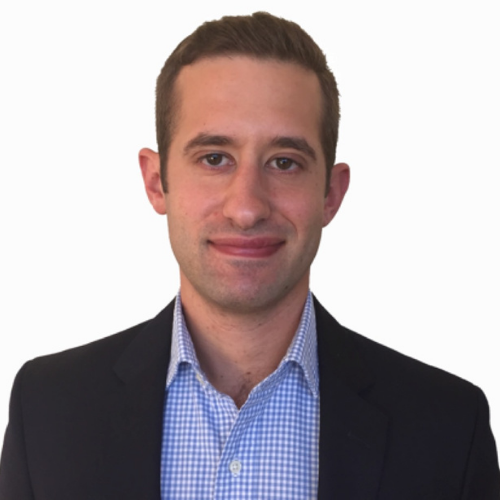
(129, 467)
(352, 431)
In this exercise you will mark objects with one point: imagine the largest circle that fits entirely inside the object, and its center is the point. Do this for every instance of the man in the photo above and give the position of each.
(244, 386)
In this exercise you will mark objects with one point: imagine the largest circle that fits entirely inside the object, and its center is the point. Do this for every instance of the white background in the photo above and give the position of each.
(411, 259)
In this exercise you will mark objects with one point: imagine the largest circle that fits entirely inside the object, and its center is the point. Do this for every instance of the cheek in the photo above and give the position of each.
(188, 202)
(188, 217)
(304, 212)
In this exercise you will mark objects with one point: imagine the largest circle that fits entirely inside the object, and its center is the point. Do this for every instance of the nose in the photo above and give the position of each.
(247, 200)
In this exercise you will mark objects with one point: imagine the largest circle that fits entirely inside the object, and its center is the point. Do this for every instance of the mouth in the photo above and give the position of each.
(258, 247)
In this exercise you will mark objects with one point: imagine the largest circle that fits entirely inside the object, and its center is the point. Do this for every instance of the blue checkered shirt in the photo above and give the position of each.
(267, 449)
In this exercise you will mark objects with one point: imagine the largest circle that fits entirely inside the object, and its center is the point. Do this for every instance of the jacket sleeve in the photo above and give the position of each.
(482, 477)
(14, 474)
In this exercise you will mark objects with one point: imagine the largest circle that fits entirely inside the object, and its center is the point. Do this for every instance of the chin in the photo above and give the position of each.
(245, 301)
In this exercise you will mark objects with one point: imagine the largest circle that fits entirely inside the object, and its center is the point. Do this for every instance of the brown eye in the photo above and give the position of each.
(284, 163)
(214, 159)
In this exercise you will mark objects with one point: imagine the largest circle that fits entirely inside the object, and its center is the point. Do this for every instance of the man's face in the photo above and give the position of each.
(246, 181)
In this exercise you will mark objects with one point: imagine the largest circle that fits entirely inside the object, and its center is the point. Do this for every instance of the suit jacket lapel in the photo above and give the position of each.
(130, 464)
(352, 432)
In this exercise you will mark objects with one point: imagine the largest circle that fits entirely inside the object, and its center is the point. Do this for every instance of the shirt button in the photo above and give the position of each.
(235, 467)
(200, 379)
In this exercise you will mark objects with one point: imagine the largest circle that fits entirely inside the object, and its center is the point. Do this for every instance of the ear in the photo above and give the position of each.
(150, 168)
(339, 183)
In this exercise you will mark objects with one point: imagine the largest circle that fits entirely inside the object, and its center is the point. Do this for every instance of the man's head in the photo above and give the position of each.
(260, 36)
(248, 191)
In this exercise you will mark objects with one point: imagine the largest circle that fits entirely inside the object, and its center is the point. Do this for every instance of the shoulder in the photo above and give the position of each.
(436, 422)
(390, 377)
(94, 364)
(403, 378)
(75, 369)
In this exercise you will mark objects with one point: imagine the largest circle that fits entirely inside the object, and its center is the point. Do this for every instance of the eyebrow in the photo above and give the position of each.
(298, 143)
(204, 139)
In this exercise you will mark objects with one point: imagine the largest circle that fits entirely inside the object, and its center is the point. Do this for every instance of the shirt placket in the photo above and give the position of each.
(234, 476)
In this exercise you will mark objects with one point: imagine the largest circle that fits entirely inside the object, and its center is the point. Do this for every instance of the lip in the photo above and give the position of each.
(247, 247)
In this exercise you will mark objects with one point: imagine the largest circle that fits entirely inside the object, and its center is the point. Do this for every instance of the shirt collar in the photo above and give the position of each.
(302, 350)
(182, 349)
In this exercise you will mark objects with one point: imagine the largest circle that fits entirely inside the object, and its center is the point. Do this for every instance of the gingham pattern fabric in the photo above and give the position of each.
(266, 450)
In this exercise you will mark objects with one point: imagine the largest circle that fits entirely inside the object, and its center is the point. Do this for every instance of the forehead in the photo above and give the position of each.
(248, 95)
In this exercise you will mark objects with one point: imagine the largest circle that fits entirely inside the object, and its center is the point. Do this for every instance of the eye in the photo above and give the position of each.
(284, 163)
(214, 159)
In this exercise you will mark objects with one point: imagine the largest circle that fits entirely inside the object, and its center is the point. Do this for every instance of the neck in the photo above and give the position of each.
(236, 351)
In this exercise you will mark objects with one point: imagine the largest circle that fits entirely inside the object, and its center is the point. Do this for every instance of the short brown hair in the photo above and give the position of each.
(262, 36)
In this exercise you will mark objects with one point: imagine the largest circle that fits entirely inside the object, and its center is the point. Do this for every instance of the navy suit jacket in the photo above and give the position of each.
(86, 424)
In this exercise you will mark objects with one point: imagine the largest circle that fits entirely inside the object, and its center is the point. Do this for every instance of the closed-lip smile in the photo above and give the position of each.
(259, 246)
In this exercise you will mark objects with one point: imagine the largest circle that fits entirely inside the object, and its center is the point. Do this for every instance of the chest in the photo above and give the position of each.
(267, 449)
